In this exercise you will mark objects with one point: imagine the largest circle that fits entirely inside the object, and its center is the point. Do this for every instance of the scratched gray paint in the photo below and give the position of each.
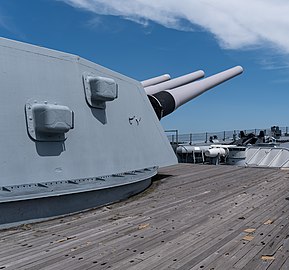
(103, 142)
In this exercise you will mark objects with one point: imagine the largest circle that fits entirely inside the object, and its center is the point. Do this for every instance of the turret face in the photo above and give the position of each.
(80, 120)
(165, 102)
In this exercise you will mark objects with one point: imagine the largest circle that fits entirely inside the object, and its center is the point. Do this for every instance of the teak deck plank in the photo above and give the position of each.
(192, 217)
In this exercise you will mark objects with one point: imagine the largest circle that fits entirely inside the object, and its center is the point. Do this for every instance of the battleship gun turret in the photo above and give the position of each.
(76, 135)
(165, 102)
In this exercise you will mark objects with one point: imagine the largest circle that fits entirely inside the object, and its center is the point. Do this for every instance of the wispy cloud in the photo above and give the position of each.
(274, 63)
(3, 23)
(7, 23)
(235, 24)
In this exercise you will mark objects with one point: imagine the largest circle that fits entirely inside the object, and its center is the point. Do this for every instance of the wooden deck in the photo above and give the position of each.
(192, 217)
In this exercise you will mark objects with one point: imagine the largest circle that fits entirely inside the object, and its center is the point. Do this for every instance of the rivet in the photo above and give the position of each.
(45, 102)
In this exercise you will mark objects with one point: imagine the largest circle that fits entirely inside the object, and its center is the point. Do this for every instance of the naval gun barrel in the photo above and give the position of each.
(156, 80)
(185, 79)
(165, 102)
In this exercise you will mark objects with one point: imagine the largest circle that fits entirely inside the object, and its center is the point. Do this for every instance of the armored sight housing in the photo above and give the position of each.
(75, 134)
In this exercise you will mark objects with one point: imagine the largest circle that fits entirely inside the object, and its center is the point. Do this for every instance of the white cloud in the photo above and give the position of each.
(235, 24)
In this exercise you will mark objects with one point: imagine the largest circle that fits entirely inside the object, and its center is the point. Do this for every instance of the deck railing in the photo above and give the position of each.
(204, 137)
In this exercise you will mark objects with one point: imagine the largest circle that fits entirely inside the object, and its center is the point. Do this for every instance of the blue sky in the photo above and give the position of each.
(146, 38)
